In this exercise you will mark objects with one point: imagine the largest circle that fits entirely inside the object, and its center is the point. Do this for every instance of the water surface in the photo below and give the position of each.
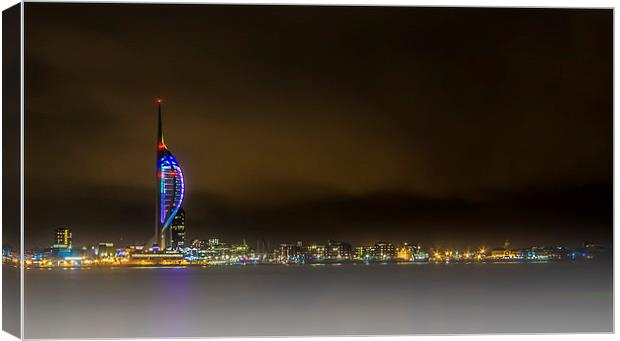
(319, 300)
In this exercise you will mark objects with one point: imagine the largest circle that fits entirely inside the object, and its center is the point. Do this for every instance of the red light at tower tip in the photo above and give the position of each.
(159, 100)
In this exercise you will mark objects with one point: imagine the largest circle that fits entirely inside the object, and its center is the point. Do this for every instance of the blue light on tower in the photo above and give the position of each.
(170, 183)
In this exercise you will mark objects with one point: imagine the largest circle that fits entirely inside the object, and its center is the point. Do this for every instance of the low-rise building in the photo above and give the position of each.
(383, 251)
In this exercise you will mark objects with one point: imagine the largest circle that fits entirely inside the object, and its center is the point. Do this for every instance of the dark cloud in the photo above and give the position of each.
(306, 122)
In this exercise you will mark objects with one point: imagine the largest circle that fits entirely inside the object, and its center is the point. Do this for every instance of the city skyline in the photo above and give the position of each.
(417, 134)
(215, 252)
(63, 239)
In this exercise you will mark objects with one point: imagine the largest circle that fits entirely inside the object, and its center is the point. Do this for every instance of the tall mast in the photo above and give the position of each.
(159, 147)
(160, 132)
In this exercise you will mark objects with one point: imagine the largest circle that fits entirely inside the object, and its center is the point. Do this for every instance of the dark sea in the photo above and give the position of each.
(269, 300)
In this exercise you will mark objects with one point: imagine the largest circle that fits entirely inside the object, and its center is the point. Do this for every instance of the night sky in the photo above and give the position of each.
(448, 127)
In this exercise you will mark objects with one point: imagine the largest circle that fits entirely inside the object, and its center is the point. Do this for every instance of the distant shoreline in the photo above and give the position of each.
(300, 265)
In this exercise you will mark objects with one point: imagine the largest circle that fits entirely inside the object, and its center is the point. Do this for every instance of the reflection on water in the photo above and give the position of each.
(319, 300)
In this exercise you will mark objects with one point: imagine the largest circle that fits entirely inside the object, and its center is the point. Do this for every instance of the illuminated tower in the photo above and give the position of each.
(177, 230)
(63, 238)
(170, 185)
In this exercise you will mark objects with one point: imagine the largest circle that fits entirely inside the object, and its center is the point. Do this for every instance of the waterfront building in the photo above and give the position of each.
(214, 242)
(177, 230)
(406, 251)
(217, 249)
(363, 252)
(195, 252)
(38, 254)
(199, 244)
(240, 249)
(561, 253)
(62, 243)
(170, 186)
(338, 250)
(89, 252)
(420, 256)
(63, 238)
(57, 251)
(536, 253)
(289, 252)
(383, 251)
(240, 253)
(315, 252)
(106, 249)
(169, 257)
(135, 248)
(506, 253)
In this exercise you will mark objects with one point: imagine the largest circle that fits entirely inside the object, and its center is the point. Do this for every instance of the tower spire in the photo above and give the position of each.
(170, 186)
(160, 132)
(158, 174)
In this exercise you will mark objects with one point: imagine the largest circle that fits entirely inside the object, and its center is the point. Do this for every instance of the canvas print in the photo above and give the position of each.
(257, 170)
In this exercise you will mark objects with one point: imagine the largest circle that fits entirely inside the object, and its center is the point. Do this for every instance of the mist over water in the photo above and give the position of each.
(319, 300)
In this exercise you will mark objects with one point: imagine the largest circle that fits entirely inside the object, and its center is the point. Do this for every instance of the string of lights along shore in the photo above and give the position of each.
(168, 245)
